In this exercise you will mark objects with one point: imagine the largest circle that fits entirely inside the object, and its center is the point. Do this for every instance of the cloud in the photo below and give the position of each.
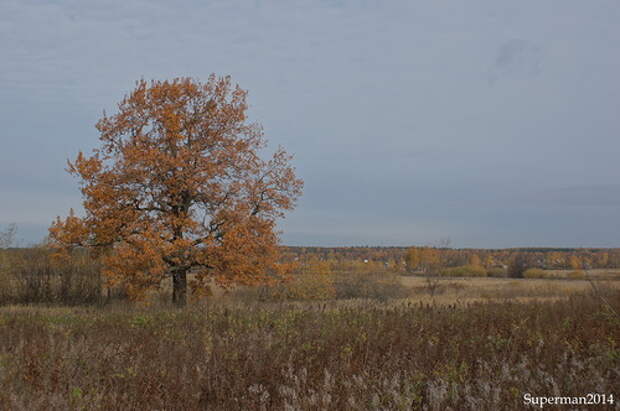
(516, 58)
(596, 195)
(386, 106)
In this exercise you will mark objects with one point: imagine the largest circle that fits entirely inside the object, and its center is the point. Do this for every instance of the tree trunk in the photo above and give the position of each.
(179, 288)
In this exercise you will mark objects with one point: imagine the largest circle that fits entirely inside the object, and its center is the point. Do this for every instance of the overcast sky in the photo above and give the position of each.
(495, 124)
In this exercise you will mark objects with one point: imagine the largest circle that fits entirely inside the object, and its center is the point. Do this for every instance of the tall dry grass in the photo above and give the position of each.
(321, 286)
(302, 356)
(32, 275)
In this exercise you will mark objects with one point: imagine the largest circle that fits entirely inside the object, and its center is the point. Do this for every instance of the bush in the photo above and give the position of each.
(6, 283)
(33, 276)
(534, 273)
(301, 287)
(577, 274)
(465, 271)
(518, 264)
(374, 285)
(496, 272)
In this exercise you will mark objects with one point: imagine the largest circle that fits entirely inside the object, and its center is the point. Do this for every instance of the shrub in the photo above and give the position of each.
(496, 272)
(374, 285)
(577, 274)
(305, 286)
(465, 271)
(6, 283)
(518, 264)
(534, 273)
(32, 276)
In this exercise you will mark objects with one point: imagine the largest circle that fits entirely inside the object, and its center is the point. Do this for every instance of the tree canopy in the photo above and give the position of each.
(178, 186)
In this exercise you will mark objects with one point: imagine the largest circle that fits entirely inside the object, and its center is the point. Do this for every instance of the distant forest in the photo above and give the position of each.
(537, 257)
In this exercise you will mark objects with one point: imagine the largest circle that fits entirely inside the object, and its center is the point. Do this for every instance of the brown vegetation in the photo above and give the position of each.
(310, 356)
(32, 275)
(348, 335)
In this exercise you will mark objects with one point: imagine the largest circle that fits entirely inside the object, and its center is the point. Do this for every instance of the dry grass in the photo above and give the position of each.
(597, 273)
(31, 275)
(306, 356)
(476, 343)
(455, 290)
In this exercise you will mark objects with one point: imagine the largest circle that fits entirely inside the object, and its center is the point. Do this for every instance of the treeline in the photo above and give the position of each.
(423, 259)
(30, 275)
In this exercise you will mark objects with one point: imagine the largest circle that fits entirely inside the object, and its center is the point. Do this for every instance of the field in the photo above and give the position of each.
(464, 290)
(477, 343)
(412, 206)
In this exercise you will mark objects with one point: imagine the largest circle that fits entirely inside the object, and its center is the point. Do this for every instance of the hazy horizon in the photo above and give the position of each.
(495, 125)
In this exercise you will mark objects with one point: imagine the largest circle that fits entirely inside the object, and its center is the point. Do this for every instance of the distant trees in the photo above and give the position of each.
(7, 239)
(574, 262)
(424, 259)
(602, 259)
(495, 262)
(7, 236)
(430, 260)
(474, 260)
(554, 259)
(519, 263)
(412, 259)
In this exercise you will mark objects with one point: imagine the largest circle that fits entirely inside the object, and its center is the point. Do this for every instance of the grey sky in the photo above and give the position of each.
(493, 123)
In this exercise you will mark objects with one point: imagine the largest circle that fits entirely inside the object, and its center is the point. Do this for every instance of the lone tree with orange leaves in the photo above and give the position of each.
(178, 187)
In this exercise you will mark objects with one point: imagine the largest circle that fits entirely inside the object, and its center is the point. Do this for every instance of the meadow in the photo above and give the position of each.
(357, 340)
(364, 355)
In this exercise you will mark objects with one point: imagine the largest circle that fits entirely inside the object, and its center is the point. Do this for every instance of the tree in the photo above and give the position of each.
(412, 259)
(7, 236)
(554, 259)
(178, 186)
(602, 259)
(429, 259)
(574, 262)
(7, 240)
(519, 263)
(474, 260)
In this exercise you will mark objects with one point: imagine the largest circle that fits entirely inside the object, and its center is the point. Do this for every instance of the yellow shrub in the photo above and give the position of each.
(305, 286)
(577, 274)
(496, 272)
(314, 286)
(381, 285)
(534, 273)
(464, 271)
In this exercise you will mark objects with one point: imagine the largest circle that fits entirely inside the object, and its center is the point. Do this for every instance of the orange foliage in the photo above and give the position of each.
(177, 186)
(574, 262)
(412, 258)
(429, 259)
(474, 260)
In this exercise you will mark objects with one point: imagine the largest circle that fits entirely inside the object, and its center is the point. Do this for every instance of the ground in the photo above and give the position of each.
(480, 343)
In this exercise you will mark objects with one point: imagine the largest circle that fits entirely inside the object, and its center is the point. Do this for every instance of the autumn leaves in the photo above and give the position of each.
(177, 186)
